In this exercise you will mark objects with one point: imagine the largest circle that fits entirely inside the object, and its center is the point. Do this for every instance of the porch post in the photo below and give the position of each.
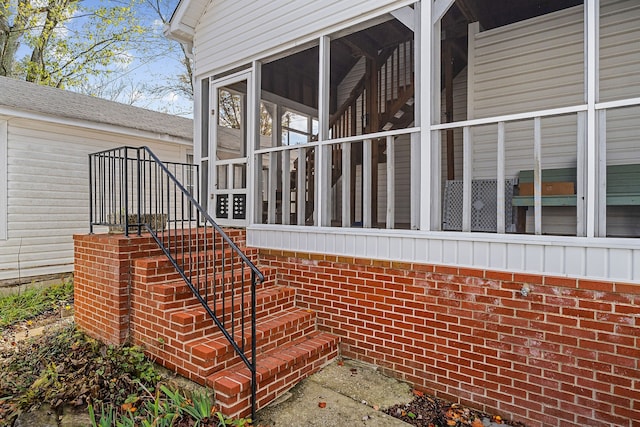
(323, 157)
(254, 168)
(424, 81)
(591, 19)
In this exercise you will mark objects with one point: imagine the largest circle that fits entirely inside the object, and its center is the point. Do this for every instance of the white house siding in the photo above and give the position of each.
(530, 65)
(350, 80)
(619, 49)
(232, 32)
(403, 180)
(48, 195)
(459, 114)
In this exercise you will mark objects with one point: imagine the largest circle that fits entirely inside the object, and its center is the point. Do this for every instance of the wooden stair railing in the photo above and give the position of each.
(395, 80)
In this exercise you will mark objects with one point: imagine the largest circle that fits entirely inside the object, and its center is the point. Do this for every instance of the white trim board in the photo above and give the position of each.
(4, 161)
(610, 259)
(11, 112)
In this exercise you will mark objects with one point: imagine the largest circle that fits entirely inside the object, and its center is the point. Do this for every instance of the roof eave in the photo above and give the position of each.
(186, 11)
(181, 33)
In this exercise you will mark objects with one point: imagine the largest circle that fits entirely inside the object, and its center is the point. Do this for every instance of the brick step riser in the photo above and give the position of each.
(180, 295)
(226, 358)
(194, 257)
(201, 252)
(268, 389)
(201, 322)
(202, 247)
(238, 237)
(178, 285)
(165, 271)
(166, 277)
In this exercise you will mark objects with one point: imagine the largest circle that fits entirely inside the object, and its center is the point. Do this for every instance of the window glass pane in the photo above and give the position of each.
(294, 121)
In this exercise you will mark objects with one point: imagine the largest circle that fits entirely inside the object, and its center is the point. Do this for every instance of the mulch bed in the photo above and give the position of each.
(430, 411)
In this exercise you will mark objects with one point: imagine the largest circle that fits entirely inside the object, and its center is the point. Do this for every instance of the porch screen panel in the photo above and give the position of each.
(530, 65)
(622, 151)
(619, 50)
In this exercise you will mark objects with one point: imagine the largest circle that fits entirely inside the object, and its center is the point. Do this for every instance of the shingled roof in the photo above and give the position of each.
(30, 97)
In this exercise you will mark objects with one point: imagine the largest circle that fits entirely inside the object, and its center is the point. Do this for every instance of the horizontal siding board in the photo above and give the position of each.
(530, 65)
(619, 50)
(234, 32)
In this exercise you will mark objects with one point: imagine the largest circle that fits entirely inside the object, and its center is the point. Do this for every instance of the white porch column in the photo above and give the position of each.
(254, 168)
(424, 108)
(591, 19)
(323, 157)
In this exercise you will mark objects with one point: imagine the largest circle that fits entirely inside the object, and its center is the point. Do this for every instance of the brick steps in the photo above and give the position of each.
(277, 370)
(159, 269)
(189, 321)
(177, 292)
(177, 331)
(215, 352)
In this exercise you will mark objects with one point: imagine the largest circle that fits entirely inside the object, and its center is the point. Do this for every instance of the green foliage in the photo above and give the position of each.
(121, 386)
(165, 408)
(66, 366)
(69, 41)
(32, 302)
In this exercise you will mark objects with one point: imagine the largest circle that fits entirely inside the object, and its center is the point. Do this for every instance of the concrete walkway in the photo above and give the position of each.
(341, 394)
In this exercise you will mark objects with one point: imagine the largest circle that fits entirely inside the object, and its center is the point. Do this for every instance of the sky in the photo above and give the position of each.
(165, 66)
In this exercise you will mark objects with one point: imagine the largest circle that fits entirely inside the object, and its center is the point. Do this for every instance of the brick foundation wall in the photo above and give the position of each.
(102, 278)
(565, 355)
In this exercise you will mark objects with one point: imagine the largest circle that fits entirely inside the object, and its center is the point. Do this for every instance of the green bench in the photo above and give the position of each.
(623, 186)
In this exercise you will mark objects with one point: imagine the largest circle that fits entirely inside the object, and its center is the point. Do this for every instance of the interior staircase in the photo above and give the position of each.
(393, 108)
(177, 332)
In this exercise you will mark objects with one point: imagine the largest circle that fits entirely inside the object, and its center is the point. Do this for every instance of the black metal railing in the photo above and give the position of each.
(132, 191)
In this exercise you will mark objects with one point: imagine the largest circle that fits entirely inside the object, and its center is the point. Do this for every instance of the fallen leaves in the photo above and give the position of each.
(428, 411)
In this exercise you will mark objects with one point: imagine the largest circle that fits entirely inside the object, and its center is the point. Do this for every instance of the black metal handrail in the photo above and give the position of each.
(131, 190)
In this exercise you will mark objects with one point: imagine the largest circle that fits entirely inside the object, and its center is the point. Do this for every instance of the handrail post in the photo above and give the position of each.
(126, 192)
(254, 364)
(139, 190)
(91, 180)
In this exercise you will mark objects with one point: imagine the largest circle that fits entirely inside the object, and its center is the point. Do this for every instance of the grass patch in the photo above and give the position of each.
(33, 302)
